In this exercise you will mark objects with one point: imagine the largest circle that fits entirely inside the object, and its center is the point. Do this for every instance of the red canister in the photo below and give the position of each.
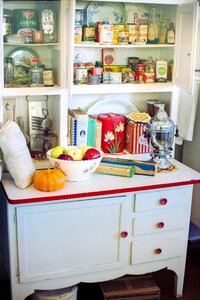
(113, 132)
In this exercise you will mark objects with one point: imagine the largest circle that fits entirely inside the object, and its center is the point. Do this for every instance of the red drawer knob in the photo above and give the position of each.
(160, 224)
(158, 251)
(124, 234)
(163, 201)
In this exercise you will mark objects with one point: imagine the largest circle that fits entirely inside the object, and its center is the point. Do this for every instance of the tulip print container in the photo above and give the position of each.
(113, 132)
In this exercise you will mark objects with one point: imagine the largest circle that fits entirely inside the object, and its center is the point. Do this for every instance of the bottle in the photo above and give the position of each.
(8, 72)
(163, 32)
(36, 73)
(153, 29)
(171, 34)
(48, 20)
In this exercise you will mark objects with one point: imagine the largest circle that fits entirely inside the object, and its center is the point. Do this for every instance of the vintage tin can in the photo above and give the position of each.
(161, 70)
(24, 22)
(97, 31)
(106, 34)
(48, 77)
(117, 28)
(123, 37)
(139, 72)
(89, 33)
(133, 30)
(77, 35)
(81, 75)
(143, 33)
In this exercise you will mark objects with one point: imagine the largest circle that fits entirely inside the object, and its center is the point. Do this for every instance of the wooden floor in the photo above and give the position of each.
(163, 278)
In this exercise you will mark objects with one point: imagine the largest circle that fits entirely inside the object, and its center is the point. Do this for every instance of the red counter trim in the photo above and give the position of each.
(102, 193)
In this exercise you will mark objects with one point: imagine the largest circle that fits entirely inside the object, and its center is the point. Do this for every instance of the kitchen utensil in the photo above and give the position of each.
(161, 132)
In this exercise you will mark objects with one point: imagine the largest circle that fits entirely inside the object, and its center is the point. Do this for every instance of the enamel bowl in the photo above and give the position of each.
(75, 170)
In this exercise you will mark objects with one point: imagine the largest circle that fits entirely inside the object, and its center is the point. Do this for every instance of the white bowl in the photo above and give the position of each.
(75, 170)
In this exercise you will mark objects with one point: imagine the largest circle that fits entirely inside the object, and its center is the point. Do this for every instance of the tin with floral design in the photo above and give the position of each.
(113, 132)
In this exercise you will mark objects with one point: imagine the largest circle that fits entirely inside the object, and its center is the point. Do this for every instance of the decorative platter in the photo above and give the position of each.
(105, 12)
(119, 106)
(22, 63)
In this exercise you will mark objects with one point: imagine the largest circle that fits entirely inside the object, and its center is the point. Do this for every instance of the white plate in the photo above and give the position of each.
(120, 106)
(104, 12)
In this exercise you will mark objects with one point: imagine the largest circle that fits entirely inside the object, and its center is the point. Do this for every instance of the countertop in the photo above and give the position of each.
(99, 184)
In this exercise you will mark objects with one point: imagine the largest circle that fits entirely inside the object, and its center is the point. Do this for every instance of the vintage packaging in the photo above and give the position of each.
(115, 77)
(106, 32)
(89, 33)
(133, 30)
(78, 34)
(114, 68)
(136, 13)
(81, 76)
(161, 70)
(108, 56)
(106, 77)
(117, 28)
(135, 141)
(123, 37)
(149, 77)
(143, 33)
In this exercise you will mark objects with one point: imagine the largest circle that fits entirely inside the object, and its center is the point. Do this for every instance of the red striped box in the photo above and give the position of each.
(135, 142)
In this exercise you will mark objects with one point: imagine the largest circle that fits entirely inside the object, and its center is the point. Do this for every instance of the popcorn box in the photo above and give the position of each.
(135, 141)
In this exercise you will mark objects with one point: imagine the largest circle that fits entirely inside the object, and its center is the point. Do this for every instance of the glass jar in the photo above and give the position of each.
(8, 72)
(36, 73)
(7, 22)
(48, 20)
(153, 27)
(163, 32)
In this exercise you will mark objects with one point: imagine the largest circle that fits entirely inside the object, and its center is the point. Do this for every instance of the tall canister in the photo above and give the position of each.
(113, 132)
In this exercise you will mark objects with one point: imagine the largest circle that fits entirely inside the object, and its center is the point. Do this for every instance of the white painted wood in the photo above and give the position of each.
(77, 241)
(187, 24)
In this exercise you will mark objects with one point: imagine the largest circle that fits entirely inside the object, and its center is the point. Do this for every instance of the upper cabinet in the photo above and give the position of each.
(43, 33)
(87, 51)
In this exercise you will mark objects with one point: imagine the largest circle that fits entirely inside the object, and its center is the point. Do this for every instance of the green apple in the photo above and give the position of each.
(76, 153)
(56, 151)
(84, 148)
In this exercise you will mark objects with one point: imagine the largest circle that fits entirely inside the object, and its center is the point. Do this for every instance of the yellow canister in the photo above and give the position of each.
(123, 37)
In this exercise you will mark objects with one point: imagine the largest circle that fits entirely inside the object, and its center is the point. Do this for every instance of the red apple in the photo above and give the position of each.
(91, 153)
(65, 157)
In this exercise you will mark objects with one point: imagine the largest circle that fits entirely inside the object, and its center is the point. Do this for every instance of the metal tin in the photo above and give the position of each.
(106, 34)
(123, 37)
(48, 77)
(89, 33)
(139, 72)
(81, 75)
(117, 29)
(24, 21)
(77, 35)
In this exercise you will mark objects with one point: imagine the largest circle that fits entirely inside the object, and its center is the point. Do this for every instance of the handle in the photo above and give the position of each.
(158, 251)
(163, 201)
(160, 225)
(124, 234)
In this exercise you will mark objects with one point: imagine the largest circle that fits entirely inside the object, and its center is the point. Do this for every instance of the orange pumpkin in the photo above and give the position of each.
(49, 180)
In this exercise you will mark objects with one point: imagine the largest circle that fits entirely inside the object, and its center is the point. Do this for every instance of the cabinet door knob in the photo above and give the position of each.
(160, 224)
(163, 201)
(124, 234)
(158, 251)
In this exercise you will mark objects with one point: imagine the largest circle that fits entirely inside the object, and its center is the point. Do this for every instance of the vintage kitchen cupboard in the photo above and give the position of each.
(60, 239)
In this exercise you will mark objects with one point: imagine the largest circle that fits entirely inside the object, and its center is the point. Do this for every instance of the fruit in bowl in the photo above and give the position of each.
(77, 163)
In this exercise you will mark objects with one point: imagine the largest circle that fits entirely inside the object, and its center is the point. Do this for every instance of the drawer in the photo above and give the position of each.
(172, 219)
(161, 199)
(157, 247)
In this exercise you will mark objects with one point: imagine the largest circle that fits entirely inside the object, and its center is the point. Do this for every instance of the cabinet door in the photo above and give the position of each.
(64, 239)
(186, 44)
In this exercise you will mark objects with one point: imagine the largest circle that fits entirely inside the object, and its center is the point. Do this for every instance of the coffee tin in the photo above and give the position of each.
(25, 21)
